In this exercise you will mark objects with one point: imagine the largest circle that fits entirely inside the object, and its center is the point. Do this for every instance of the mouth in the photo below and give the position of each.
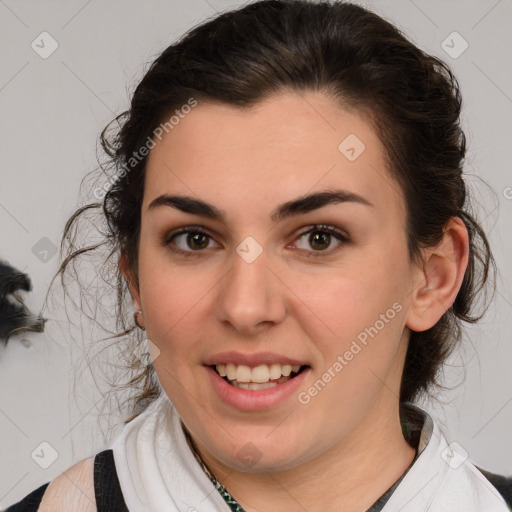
(259, 377)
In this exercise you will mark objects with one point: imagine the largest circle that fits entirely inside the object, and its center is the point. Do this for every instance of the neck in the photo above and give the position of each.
(350, 477)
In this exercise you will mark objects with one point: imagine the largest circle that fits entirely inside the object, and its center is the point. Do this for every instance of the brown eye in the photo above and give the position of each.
(320, 238)
(188, 241)
(197, 240)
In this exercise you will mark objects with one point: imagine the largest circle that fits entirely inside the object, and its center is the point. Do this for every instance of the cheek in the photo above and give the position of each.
(345, 299)
(358, 338)
(167, 290)
(172, 299)
(172, 305)
(357, 309)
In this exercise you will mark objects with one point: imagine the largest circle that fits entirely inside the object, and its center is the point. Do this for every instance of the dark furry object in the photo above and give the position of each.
(14, 315)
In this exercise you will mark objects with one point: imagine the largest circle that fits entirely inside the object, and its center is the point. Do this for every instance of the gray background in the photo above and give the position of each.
(52, 111)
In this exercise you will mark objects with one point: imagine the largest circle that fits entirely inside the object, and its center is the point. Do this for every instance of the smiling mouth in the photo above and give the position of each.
(260, 377)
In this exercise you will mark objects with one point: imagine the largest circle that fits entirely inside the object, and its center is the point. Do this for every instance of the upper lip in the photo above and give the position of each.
(252, 359)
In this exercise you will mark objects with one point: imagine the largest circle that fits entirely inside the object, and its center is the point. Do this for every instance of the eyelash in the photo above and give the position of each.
(339, 235)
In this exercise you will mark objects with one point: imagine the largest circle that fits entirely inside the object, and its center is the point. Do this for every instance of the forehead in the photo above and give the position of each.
(285, 146)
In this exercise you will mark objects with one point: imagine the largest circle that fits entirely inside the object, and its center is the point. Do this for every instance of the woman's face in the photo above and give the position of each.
(252, 283)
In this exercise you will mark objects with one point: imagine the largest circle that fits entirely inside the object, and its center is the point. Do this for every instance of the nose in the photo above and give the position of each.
(251, 296)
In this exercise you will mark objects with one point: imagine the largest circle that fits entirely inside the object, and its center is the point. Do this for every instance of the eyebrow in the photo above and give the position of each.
(299, 206)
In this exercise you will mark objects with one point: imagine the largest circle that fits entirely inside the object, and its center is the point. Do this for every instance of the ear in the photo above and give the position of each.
(437, 284)
(134, 291)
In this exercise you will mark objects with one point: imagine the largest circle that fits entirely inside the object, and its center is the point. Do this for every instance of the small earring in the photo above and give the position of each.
(135, 316)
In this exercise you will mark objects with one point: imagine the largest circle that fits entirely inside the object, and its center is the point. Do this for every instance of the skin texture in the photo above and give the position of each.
(72, 490)
(346, 443)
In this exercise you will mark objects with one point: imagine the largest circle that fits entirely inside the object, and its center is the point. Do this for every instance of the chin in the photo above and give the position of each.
(259, 456)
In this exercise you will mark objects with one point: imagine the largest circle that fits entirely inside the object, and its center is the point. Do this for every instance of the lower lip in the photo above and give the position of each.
(257, 399)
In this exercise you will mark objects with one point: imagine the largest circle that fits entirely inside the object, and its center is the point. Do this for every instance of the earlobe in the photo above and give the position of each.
(438, 283)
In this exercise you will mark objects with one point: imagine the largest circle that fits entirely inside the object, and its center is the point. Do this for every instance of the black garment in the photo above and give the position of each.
(109, 497)
(502, 483)
(30, 502)
(107, 490)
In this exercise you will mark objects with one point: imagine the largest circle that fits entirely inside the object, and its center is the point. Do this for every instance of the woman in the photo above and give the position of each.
(290, 218)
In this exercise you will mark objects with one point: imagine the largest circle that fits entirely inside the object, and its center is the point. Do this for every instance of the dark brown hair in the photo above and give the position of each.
(358, 59)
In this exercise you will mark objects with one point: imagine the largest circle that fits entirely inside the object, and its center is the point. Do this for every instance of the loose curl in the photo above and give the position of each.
(359, 60)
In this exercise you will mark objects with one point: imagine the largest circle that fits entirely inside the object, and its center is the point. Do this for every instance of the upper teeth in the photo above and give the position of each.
(261, 373)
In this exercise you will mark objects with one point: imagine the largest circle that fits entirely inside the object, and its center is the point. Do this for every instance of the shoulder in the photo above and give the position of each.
(503, 484)
(88, 486)
(72, 490)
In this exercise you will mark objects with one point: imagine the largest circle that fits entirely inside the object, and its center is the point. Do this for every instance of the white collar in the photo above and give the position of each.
(157, 471)
(443, 479)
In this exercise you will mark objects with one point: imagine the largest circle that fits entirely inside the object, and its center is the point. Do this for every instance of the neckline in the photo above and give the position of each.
(417, 428)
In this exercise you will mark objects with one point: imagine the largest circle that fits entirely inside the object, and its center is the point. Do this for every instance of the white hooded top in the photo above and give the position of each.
(158, 471)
